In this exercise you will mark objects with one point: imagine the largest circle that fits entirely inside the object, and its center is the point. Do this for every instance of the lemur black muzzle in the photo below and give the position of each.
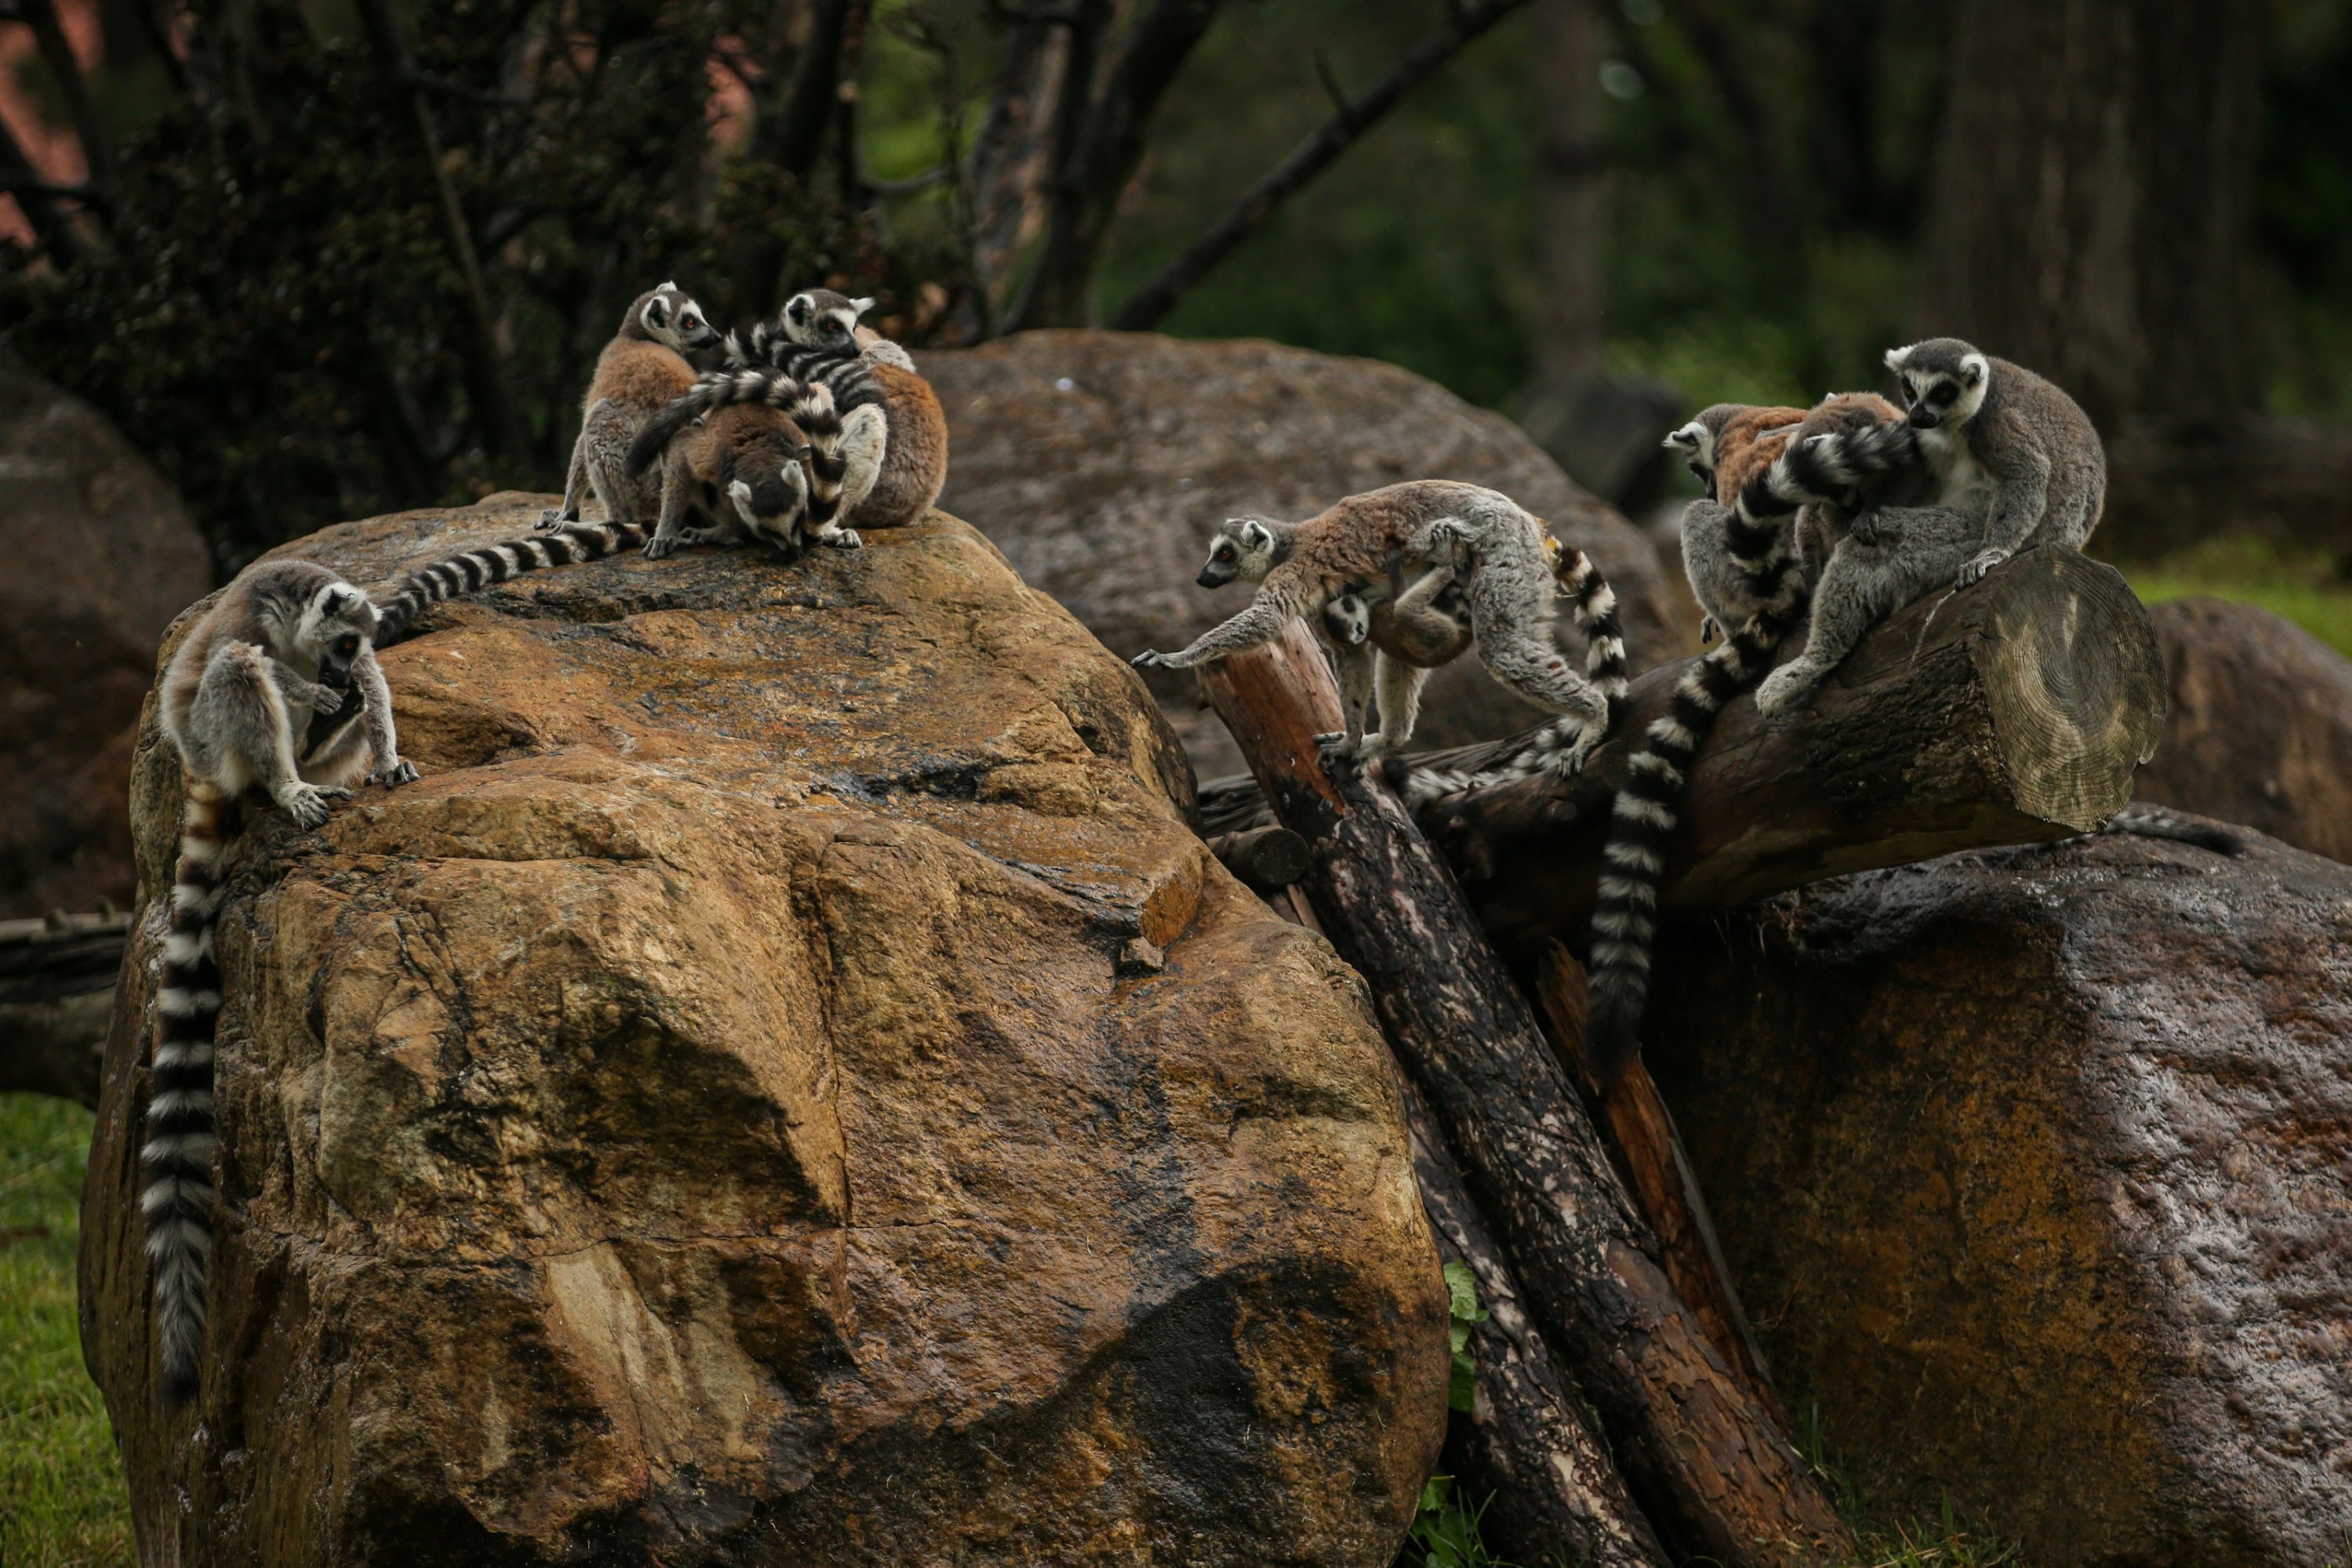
(1925, 418)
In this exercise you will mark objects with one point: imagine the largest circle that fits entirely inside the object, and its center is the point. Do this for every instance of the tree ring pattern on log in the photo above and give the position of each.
(2080, 706)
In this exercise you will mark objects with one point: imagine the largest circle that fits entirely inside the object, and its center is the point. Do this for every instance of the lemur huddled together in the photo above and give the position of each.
(275, 690)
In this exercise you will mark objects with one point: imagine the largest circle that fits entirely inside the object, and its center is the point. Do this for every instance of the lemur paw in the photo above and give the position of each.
(306, 803)
(660, 548)
(1567, 765)
(1974, 571)
(843, 538)
(1447, 535)
(1868, 529)
(550, 519)
(1710, 630)
(1151, 659)
(400, 773)
(1783, 689)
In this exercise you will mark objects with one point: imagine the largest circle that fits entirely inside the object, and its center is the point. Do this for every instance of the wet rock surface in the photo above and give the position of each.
(2031, 1166)
(715, 1115)
(1100, 463)
(118, 557)
(2261, 728)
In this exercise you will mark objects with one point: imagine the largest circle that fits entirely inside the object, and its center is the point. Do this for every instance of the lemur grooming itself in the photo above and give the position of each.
(287, 639)
(638, 374)
(1301, 567)
(894, 459)
(741, 467)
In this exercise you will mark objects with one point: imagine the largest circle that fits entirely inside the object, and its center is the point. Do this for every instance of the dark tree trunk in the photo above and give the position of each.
(1708, 1465)
(2093, 195)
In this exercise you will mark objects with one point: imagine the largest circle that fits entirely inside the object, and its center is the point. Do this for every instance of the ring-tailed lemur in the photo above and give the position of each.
(286, 641)
(742, 466)
(638, 374)
(1301, 567)
(1995, 459)
(1427, 625)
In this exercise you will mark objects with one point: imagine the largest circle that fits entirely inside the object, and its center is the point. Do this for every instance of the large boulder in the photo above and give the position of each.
(783, 1088)
(2261, 728)
(2032, 1165)
(107, 556)
(1099, 462)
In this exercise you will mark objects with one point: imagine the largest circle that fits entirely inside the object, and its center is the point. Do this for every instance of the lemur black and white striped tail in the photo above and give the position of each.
(809, 405)
(1647, 809)
(848, 375)
(176, 1157)
(1827, 468)
(568, 545)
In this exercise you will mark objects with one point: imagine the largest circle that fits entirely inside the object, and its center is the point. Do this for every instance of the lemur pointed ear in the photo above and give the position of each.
(1256, 532)
(657, 311)
(1895, 357)
(1687, 436)
(669, 288)
(1974, 369)
(861, 306)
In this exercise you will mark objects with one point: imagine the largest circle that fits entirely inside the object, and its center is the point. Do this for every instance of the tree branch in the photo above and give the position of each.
(1094, 166)
(57, 53)
(1152, 303)
(477, 345)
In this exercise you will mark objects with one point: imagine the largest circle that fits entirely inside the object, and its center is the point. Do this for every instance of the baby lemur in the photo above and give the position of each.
(285, 641)
(1352, 548)
(639, 374)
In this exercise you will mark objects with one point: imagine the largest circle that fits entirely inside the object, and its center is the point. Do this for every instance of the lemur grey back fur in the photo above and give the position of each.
(833, 443)
(285, 641)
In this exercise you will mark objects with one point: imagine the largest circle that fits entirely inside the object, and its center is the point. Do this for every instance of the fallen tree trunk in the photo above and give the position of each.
(1710, 1468)
(1556, 1494)
(2011, 713)
(56, 992)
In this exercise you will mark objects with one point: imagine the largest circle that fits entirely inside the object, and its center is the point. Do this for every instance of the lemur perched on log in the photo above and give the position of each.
(1356, 546)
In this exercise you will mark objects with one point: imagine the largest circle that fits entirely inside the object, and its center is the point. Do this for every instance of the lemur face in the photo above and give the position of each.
(1941, 385)
(819, 318)
(1243, 548)
(337, 622)
(1349, 620)
(677, 321)
(1696, 442)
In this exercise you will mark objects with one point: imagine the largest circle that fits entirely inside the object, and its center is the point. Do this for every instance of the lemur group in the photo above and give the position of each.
(1824, 520)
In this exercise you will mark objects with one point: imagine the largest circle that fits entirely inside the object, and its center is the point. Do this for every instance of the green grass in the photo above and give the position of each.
(2309, 589)
(61, 1499)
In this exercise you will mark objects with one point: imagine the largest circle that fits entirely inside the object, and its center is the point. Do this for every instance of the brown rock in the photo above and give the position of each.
(724, 1112)
(1099, 462)
(2261, 731)
(107, 555)
(2032, 1165)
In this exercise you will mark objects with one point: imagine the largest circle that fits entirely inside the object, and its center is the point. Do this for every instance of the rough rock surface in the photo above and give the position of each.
(1099, 462)
(118, 557)
(2261, 731)
(783, 1088)
(2031, 1166)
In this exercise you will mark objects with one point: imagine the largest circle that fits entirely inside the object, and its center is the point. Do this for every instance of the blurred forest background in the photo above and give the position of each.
(333, 258)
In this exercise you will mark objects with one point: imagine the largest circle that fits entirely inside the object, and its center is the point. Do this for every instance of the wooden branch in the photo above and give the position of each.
(1710, 1467)
(1650, 1158)
(1093, 168)
(57, 993)
(1264, 857)
(1557, 1496)
(1149, 305)
(57, 53)
(2011, 713)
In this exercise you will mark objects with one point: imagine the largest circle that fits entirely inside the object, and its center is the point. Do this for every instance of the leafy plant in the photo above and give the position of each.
(1462, 1310)
(1445, 1527)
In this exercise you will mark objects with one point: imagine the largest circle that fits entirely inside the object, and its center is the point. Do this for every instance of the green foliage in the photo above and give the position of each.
(2308, 587)
(59, 1472)
(1446, 1528)
(1463, 1314)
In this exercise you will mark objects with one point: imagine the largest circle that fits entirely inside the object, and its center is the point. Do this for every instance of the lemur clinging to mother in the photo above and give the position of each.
(638, 374)
(285, 641)
(1355, 546)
